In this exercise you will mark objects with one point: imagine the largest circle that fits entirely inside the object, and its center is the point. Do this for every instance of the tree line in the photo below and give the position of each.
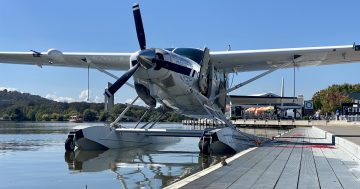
(330, 99)
(16, 106)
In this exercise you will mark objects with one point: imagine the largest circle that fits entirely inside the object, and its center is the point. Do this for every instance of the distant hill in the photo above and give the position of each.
(18, 106)
(14, 99)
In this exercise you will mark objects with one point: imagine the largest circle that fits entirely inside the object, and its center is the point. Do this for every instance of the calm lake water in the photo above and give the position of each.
(32, 155)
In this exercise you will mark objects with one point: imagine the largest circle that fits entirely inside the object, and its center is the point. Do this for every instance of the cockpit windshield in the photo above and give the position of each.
(193, 54)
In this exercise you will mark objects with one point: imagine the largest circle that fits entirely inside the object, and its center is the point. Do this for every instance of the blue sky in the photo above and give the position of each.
(108, 26)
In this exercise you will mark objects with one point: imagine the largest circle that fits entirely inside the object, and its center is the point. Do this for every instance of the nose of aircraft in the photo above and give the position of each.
(145, 58)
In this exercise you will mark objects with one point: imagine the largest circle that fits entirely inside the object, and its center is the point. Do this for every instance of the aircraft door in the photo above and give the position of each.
(222, 100)
(212, 81)
(204, 73)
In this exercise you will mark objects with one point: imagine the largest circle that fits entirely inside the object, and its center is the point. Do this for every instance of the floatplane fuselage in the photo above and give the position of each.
(174, 78)
(179, 85)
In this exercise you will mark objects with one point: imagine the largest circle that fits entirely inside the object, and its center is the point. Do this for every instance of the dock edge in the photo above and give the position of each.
(210, 169)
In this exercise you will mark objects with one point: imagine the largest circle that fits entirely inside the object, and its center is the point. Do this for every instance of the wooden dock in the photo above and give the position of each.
(301, 158)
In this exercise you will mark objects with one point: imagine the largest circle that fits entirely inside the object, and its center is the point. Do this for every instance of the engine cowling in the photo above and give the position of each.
(144, 94)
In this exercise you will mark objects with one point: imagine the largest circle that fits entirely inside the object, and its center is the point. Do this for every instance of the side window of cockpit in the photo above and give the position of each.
(193, 54)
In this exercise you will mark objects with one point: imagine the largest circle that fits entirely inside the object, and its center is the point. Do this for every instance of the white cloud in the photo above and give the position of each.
(139, 102)
(98, 99)
(129, 100)
(83, 96)
(8, 89)
(54, 97)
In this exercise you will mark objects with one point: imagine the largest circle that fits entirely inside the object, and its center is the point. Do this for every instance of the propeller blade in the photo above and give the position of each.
(171, 66)
(123, 79)
(139, 26)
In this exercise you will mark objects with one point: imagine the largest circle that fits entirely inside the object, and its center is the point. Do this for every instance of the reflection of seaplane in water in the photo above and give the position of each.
(140, 166)
(190, 81)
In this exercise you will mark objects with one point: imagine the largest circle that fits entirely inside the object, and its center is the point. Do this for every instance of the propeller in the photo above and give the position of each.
(146, 58)
(143, 53)
(122, 80)
(139, 26)
(159, 63)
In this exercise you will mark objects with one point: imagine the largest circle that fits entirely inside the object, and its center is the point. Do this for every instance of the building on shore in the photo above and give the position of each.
(266, 106)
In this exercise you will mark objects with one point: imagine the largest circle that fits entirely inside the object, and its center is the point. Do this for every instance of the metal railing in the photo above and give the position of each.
(350, 118)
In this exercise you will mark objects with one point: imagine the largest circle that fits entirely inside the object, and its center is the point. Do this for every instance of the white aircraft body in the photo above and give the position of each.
(190, 81)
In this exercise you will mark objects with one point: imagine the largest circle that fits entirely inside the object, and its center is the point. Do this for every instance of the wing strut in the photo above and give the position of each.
(294, 72)
(248, 81)
(88, 83)
(216, 114)
(104, 71)
(114, 124)
(142, 117)
(153, 121)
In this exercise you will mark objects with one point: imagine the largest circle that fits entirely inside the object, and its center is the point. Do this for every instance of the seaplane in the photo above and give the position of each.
(191, 81)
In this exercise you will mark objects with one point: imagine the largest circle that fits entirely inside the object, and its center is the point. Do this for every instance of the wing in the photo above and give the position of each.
(113, 61)
(253, 60)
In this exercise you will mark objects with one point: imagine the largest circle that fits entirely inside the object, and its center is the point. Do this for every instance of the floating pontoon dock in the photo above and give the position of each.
(302, 158)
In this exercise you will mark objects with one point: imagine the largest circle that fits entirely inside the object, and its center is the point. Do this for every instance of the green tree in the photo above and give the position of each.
(103, 116)
(17, 115)
(54, 116)
(6, 117)
(60, 118)
(331, 98)
(45, 117)
(175, 117)
(31, 115)
(38, 116)
(89, 115)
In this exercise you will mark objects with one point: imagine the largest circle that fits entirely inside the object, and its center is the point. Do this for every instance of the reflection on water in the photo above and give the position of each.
(38, 127)
(32, 156)
(31, 135)
(140, 167)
